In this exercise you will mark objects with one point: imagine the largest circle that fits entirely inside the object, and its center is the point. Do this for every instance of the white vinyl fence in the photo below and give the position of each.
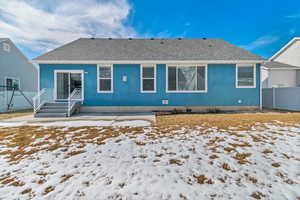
(18, 103)
(281, 98)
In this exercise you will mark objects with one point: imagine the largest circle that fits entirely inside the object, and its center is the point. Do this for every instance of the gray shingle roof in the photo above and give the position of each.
(87, 49)
(276, 65)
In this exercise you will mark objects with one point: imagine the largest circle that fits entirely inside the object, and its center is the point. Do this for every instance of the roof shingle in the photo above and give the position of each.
(86, 49)
(278, 65)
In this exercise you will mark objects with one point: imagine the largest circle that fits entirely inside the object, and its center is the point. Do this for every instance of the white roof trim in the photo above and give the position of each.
(278, 68)
(145, 61)
(285, 47)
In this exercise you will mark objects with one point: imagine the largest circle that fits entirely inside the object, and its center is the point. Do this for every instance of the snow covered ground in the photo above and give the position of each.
(169, 162)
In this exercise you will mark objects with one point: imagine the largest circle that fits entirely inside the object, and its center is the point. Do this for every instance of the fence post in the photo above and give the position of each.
(274, 101)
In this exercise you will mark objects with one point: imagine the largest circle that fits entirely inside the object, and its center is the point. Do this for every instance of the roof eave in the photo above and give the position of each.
(145, 61)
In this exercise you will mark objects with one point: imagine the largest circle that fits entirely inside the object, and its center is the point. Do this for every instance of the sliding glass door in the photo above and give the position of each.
(67, 82)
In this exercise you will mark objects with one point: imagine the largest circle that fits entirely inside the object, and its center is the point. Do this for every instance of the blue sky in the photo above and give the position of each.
(260, 26)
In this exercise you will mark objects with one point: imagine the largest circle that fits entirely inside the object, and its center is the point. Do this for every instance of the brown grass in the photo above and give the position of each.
(242, 121)
(201, 179)
(140, 143)
(65, 177)
(48, 189)
(26, 191)
(176, 162)
(15, 114)
(226, 166)
(275, 164)
(241, 157)
(229, 149)
(74, 153)
(257, 195)
(213, 156)
(242, 144)
(266, 151)
(252, 179)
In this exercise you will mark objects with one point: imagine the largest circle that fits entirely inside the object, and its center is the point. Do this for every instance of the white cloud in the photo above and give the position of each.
(45, 24)
(261, 42)
(295, 16)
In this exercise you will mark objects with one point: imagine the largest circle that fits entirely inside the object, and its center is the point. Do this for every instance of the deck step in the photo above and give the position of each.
(56, 104)
(50, 115)
(52, 110)
(56, 109)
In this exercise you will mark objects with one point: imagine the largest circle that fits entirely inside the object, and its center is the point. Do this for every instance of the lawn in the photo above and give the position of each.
(211, 156)
(15, 114)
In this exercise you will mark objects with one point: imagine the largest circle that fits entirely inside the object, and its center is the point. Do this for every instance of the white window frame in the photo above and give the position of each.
(185, 65)
(142, 78)
(111, 78)
(236, 75)
(15, 78)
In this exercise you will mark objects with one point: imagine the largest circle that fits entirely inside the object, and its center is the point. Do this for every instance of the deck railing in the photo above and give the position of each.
(74, 97)
(44, 95)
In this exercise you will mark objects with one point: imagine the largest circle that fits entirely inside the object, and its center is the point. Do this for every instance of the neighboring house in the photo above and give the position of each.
(15, 72)
(283, 68)
(130, 75)
(15, 69)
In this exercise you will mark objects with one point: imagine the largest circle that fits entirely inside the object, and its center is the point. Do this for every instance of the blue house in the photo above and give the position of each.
(135, 75)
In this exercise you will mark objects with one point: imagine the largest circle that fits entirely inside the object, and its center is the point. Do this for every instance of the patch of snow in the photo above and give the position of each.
(123, 168)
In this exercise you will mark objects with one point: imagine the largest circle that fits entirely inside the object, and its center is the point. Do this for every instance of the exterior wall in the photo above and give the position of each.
(18, 102)
(290, 55)
(282, 78)
(221, 87)
(15, 64)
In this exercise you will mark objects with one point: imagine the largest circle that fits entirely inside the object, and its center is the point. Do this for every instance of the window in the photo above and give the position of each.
(6, 47)
(12, 83)
(105, 80)
(148, 78)
(187, 78)
(245, 76)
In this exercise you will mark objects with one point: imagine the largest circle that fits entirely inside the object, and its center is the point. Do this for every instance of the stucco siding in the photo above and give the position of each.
(221, 87)
(14, 64)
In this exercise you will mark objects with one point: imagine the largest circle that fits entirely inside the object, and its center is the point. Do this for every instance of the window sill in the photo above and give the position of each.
(105, 92)
(192, 91)
(148, 92)
(245, 87)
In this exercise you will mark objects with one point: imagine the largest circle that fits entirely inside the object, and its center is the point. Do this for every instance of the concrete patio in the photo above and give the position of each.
(87, 117)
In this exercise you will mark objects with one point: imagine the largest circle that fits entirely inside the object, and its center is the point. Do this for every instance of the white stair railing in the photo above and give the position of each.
(74, 97)
(44, 95)
(37, 100)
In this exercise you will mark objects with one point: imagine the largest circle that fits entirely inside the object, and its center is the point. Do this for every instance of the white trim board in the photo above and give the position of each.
(145, 61)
